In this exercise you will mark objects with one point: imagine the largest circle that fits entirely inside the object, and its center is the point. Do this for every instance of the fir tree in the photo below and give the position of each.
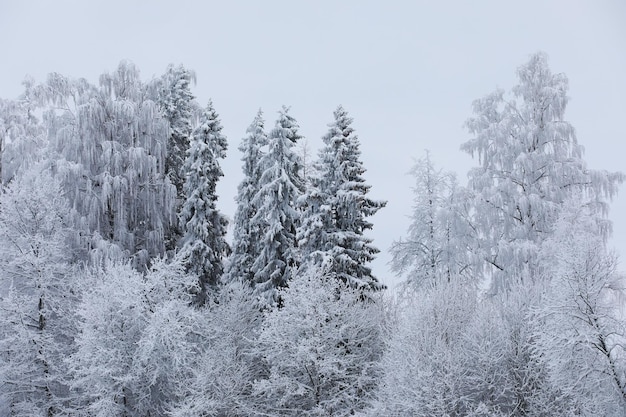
(337, 206)
(177, 105)
(279, 190)
(246, 233)
(176, 102)
(204, 226)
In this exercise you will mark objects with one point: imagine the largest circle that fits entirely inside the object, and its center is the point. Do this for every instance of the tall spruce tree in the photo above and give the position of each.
(246, 233)
(280, 187)
(177, 105)
(176, 102)
(336, 208)
(204, 226)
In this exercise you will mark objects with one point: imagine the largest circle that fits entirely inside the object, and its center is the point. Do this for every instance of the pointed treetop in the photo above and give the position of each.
(336, 207)
(204, 226)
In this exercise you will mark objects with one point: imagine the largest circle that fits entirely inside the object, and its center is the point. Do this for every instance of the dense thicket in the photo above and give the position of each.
(119, 295)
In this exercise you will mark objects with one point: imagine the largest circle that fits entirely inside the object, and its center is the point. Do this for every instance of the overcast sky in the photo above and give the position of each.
(407, 71)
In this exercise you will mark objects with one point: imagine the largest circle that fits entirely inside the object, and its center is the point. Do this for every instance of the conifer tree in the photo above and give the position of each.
(332, 232)
(280, 187)
(246, 233)
(204, 226)
(177, 105)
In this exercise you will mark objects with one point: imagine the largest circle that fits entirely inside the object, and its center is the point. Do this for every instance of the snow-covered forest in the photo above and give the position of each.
(123, 294)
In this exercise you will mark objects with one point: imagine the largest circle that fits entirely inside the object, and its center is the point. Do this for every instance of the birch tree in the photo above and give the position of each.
(36, 295)
(22, 135)
(530, 162)
(322, 350)
(437, 242)
(137, 339)
(108, 146)
(583, 337)
(423, 366)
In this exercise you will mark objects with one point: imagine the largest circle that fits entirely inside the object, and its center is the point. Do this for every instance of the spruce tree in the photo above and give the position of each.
(203, 225)
(246, 233)
(177, 105)
(332, 233)
(277, 215)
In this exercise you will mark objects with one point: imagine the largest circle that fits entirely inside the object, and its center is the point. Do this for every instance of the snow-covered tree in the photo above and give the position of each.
(22, 136)
(177, 104)
(108, 145)
(336, 208)
(530, 162)
(454, 354)
(276, 212)
(223, 372)
(137, 339)
(172, 340)
(322, 349)
(582, 342)
(113, 317)
(308, 164)
(436, 245)
(246, 232)
(423, 368)
(204, 226)
(36, 295)
(502, 373)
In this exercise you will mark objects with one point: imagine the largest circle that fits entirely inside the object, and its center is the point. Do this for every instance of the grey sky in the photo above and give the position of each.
(407, 71)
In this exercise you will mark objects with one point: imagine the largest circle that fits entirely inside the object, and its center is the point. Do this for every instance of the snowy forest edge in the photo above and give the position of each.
(120, 295)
